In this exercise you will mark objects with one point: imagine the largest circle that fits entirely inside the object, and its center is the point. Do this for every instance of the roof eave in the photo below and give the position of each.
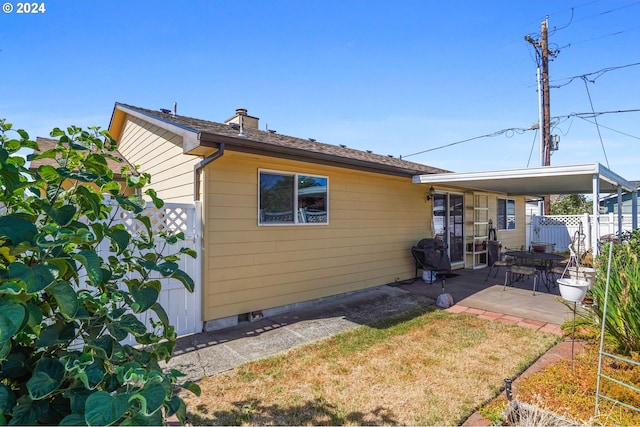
(190, 136)
(614, 179)
(558, 174)
(200, 143)
(254, 147)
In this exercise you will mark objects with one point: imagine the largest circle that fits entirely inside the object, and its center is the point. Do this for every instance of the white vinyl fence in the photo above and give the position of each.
(559, 230)
(183, 308)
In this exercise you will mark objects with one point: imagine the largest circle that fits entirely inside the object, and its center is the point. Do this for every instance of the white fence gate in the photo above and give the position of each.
(183, 308)
(560, 229)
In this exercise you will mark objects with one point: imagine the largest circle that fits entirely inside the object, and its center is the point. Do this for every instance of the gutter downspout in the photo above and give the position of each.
(198, 167)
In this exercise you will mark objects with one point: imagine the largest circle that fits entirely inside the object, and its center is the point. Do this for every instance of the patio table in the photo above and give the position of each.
(542, 261)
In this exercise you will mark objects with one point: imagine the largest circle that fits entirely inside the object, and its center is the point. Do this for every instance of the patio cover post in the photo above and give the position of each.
(595, 223)
(588, 229)
(619, 214)
(634, 209)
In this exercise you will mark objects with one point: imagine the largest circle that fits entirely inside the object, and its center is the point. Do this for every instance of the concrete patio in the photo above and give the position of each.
(470, 291)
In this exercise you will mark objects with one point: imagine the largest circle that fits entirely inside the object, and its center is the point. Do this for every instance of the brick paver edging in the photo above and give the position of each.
(505, 318)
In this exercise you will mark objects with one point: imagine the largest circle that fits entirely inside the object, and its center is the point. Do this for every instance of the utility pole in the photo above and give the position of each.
(543, 52)
(546, 105)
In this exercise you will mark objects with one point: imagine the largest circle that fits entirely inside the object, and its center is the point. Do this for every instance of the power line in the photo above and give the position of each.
(489, 135)
(533, 144)
(599, 113)
(596, 120)
(606, 12)
(571, 79)
(597, 15)
(597, 74)
(586, 79)
(556, 125)
(616, 33)
(572, 19)
(510, 131)
(566, 25)
(611, 129)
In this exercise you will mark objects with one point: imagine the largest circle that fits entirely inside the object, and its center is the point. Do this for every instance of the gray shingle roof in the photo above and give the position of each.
(49, 144)
(278, 142)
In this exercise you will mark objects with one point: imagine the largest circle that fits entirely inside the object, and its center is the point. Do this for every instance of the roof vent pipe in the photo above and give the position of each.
(175, 108)
(241, 118)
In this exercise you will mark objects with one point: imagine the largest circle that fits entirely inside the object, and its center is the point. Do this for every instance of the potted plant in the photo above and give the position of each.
(573, 289)
(577, 279)
(586, 272)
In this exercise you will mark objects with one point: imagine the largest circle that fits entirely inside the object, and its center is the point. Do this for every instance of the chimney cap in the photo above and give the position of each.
(241, 117)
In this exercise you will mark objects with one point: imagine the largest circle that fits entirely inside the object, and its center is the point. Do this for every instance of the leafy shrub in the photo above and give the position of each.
(622, 322)
(65, 306)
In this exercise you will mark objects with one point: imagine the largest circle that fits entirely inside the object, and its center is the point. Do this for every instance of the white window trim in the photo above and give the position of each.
(296, 217)
(506, 199)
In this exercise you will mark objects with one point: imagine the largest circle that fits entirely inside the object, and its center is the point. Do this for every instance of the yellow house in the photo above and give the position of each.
(289, 220)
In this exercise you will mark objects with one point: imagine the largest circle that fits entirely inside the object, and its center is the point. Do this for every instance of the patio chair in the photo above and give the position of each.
(496, 258)
(431, 254)
(314, 215)
(557, 271)
(520, 271)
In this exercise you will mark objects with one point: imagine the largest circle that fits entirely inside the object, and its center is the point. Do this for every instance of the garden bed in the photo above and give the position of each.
(524, 414)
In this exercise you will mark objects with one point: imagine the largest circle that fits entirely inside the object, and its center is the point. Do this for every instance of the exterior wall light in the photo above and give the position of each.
(431, 193)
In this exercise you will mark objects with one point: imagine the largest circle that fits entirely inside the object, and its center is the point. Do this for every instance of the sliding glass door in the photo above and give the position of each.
(448, 223)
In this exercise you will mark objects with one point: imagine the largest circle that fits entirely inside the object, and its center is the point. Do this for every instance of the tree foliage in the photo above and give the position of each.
(66, 302)
(571, 204)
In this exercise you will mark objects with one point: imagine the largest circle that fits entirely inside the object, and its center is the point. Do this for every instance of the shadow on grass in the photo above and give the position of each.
(399, 319)
(312, 412)
(372, 311)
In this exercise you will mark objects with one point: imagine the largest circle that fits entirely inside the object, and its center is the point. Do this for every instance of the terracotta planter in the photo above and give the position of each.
(573, 289)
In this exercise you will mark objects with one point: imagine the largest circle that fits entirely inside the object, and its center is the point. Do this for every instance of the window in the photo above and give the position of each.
(290, 198)
(506, 214)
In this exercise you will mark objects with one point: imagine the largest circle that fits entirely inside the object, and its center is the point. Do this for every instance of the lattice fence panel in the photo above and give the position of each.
(560, 220)
(561, 229)
(182, 307)
(177, 217)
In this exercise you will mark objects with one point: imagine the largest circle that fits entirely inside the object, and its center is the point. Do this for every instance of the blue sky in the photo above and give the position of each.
(396, 77)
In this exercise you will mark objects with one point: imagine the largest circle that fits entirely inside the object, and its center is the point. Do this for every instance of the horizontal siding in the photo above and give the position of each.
(512, 239)
(373, 222)
(159, 153)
